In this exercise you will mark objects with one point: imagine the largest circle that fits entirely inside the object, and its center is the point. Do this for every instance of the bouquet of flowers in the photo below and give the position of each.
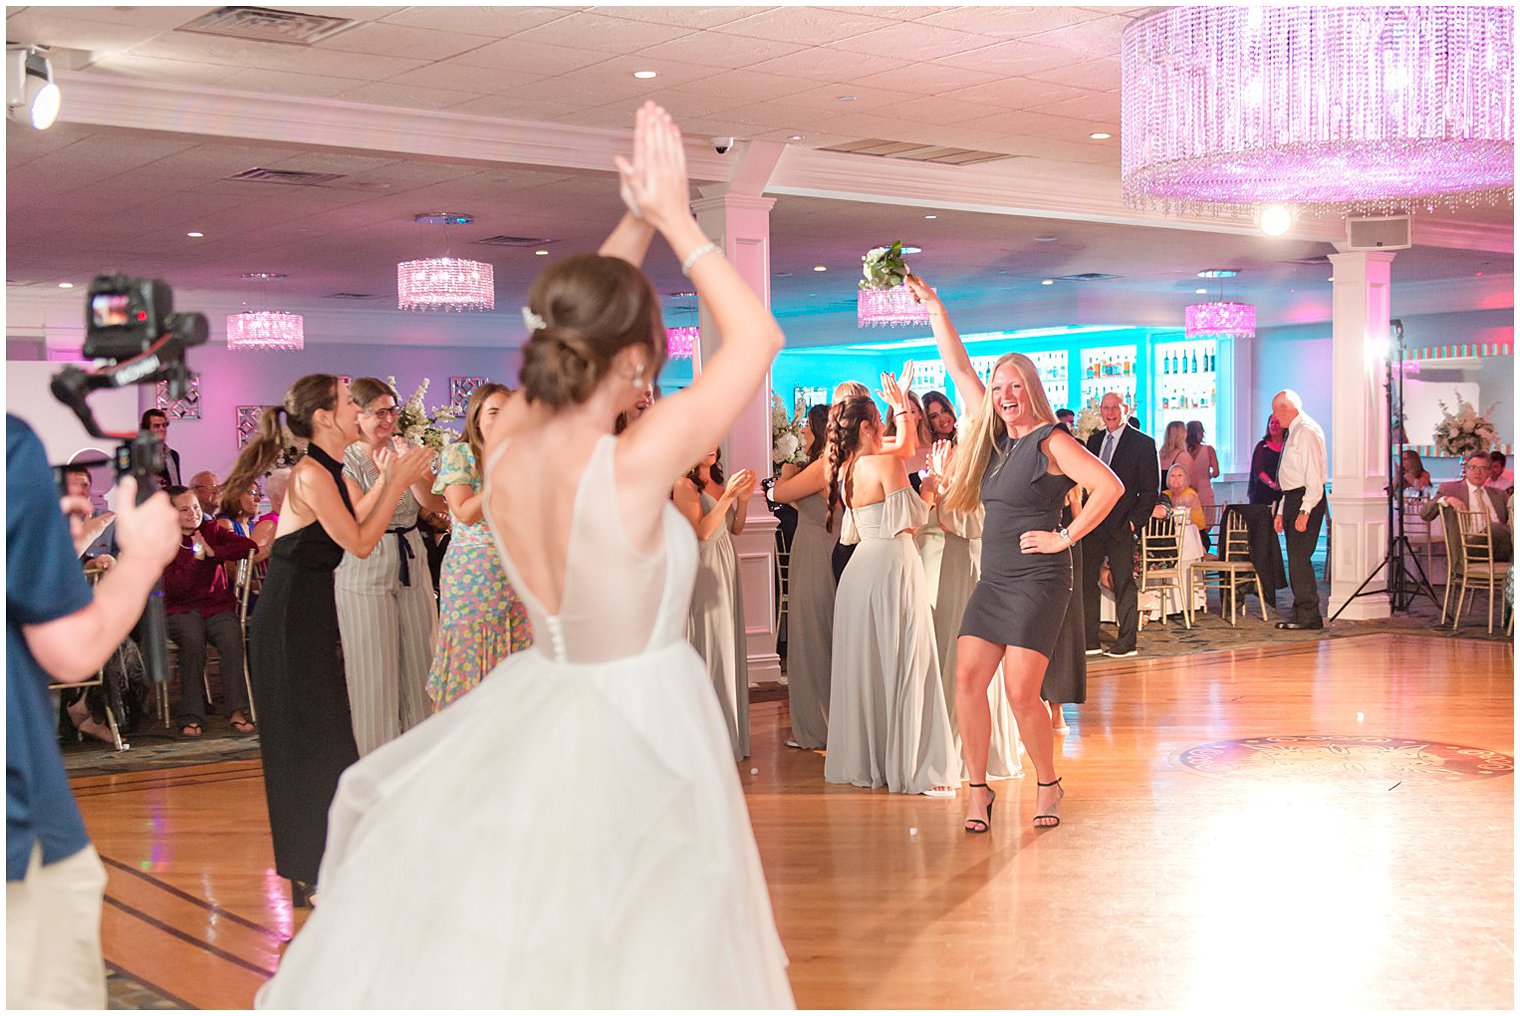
(884, 267)
(786, 436)
(1086, 424)
(1461, 433)
(418, 426)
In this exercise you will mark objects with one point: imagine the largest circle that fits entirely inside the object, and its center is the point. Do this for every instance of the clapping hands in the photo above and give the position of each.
(741, 485)
(654, 185)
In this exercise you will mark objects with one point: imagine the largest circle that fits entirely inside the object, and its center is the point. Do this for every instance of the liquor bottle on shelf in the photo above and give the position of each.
(1195, 361)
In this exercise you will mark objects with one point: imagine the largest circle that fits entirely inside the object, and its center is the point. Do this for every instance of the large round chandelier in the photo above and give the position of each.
(1351, 108)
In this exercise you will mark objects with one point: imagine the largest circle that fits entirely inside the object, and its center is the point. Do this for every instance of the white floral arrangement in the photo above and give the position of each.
(1463, 432)
(786, 436)
(418, 426)
(884, 267)
(1087, 423)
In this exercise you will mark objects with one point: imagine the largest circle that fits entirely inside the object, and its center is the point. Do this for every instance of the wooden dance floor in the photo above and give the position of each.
(1326, 825)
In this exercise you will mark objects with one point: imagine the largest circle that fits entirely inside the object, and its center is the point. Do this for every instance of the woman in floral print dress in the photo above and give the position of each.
(481, 620)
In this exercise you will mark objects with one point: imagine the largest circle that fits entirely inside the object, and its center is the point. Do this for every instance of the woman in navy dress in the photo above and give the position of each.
(1013, 459)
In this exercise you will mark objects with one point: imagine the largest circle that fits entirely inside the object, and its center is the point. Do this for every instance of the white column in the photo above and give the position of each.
(1359, 442)
(741, 225)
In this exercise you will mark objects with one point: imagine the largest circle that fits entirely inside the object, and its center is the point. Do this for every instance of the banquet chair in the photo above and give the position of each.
(247, 579)
(1161, 567)
(1479, 569)
(1231, 568)
(98, 681)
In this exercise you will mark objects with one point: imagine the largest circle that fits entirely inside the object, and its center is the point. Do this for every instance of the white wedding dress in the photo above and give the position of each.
(570, 834)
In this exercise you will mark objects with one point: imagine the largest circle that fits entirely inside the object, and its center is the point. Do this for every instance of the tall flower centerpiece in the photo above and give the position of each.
(418, 426)
(1086, 424)
(1464, 431)
(786, 436)
(884, 297)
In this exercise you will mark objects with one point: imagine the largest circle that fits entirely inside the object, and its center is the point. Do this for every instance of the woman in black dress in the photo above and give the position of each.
(306, 737)
(1262, 487)
(1013, 459)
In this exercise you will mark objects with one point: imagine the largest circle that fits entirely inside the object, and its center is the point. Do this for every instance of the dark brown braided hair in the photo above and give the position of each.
(845, 421)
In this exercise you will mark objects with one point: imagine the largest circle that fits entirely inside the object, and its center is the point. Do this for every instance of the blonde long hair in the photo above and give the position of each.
(979, 436)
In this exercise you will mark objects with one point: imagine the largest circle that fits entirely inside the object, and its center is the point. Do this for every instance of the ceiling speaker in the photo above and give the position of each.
(1388, 232)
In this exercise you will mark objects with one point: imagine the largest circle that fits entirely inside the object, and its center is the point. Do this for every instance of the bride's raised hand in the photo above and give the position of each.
(922, 293)
(654, 185)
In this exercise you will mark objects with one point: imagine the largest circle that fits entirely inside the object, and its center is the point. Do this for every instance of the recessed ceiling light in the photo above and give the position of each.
(1047, 282)
(1201, 292)
(1100, 135)
(796, 137)
(195, 235)
(920, 250)
(931, 216)
(645, 74)
(1045, 239)
(1276, 220)
(846, 98)
(70, 285)
(541, 253)
(820, 268)
(1218, 273)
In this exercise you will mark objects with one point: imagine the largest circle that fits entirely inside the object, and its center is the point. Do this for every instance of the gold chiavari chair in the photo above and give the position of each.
(1161, 567)
(99, 681)
(1230, 570)
(1479, 569)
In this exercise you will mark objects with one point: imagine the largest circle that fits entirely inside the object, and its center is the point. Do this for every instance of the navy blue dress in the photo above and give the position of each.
(1021, 599)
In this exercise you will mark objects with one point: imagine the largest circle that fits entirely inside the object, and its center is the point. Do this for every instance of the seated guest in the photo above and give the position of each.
(1498, 476)
(1414, 478)
(208, 491)
(241, 517)
(1472, 493)
(1066, 419)
(99, 531)
(200, 604)
(156, 421)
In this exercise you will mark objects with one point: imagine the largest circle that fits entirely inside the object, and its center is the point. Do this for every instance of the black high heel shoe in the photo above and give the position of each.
(1056, 818)
(986, 826)
(302, 894)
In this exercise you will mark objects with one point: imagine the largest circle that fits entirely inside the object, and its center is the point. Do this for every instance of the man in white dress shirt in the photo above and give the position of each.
(1472, 493)
(1499, 477)
(1301, 476)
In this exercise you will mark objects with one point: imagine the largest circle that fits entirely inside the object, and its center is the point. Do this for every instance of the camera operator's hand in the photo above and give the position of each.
(147, 532)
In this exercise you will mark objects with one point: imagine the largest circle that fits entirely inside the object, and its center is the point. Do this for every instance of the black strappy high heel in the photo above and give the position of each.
(302, 894)
(986, 826)
(1051, 825)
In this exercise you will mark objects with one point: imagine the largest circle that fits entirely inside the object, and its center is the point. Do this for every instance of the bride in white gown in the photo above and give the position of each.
(572, 834)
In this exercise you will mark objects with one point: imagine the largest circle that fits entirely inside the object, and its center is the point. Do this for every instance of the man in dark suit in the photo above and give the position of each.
(157, 421)
(1472, 493)
(1132, 457)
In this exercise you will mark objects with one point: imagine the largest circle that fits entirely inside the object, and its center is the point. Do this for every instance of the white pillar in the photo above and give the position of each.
(1359, 442)
(741, 225)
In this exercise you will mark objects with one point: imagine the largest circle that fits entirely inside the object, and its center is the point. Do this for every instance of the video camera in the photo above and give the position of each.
(135, 338)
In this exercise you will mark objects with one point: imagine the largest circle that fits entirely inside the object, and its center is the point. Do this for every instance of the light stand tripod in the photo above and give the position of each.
(1401, 586)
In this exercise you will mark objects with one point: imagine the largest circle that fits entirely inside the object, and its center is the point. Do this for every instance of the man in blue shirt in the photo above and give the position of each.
(57, 630)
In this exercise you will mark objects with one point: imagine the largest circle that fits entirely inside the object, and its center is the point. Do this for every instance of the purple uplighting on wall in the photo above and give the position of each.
(1221, 320)
(1359, 108)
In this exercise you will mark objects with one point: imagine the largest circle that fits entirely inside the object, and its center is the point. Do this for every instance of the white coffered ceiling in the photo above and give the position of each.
(511, 113)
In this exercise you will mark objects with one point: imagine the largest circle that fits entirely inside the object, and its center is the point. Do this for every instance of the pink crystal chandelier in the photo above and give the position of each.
(1220, 320)
(889, 307)
(681, 341)
(265, 329)
(1362, 109)
(445, 284)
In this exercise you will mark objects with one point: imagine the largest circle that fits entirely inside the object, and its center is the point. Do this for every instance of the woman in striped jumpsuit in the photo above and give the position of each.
(387, 612)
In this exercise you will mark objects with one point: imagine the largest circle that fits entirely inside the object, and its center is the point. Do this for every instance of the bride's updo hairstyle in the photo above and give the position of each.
(592, 307)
